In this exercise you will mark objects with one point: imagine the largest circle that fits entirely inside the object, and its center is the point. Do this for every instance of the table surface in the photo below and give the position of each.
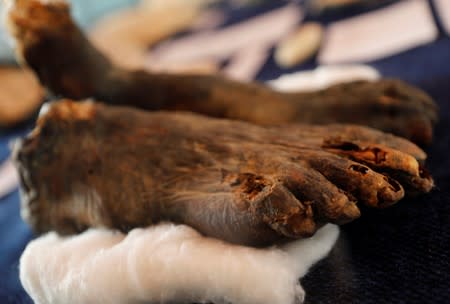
(397, 255)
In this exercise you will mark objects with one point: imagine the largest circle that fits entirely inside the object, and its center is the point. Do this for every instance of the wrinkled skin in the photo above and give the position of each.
(44, 31)
(93, 165)
(90, 165)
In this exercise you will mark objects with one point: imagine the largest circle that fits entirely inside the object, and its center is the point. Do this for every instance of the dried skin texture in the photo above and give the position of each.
(88, 164)
(45, 30)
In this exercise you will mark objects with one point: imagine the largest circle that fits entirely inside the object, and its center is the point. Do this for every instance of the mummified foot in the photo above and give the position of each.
(50, 42)
(88, 164)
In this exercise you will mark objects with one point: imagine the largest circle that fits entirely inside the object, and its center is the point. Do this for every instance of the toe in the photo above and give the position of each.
(367, 186)
(404, 103)
(284, 213)
(402, 91)
(401, 166)
(353, 133)
(330, 203)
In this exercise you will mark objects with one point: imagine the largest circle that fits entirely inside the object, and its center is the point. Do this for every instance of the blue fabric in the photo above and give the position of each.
(398, 255)
(5, 140)
(14, 236)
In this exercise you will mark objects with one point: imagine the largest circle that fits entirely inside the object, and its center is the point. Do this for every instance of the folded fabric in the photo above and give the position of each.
(164, 264)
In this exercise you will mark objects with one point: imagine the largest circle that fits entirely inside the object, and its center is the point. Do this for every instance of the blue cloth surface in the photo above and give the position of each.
(14, 235)
(397, 255)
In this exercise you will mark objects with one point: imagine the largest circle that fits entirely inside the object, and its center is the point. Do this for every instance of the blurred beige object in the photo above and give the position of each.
(20, 95)
(379, 34)
(325, 4)
(300, 45)
(338, 2)
(246, 63)
(203, 67)
(126, 35)
(163, 5)
(244, 43)
(443, 8)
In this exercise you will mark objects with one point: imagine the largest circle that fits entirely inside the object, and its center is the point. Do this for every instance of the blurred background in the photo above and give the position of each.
(400, 255)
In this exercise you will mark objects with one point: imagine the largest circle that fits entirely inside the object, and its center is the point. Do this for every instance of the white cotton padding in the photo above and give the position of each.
(164, 264)
(323, 77)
